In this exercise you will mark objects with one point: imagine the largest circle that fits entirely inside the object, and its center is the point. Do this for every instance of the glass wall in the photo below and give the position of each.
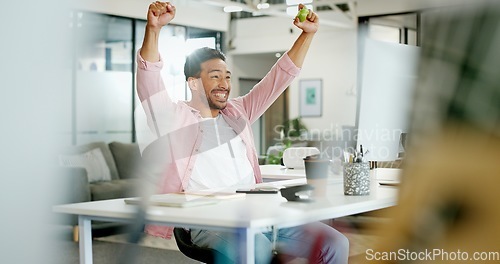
(102, 94)
(103, 78)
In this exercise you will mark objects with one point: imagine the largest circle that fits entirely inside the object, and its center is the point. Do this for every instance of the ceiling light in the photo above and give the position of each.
(293, 10)
(277, 55)
(297, 2)
(229, 9)
(263, 6)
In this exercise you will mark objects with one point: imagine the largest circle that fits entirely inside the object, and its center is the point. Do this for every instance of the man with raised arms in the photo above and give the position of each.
(210, 141)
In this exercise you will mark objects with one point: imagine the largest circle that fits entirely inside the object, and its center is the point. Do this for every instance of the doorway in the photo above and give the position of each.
(266, 128)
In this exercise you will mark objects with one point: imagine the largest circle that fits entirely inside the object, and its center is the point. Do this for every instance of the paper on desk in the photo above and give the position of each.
(172, 200)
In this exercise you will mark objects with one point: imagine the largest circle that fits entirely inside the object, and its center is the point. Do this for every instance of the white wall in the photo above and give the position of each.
(262, 35)
(332, 58)
(377, 7)
(189, 12)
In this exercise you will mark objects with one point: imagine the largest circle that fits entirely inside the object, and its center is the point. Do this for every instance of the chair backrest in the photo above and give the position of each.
(190, 250)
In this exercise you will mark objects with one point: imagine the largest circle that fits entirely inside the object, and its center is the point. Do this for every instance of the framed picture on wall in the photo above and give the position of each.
(310, 96)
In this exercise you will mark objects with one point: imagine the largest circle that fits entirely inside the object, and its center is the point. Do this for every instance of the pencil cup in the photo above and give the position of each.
(357, 178)
(317, 174)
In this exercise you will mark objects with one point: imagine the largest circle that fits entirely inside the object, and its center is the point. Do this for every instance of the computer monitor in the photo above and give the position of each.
(388, 76)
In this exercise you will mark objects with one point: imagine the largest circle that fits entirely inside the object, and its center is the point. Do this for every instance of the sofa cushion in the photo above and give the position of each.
(127, 157)
(90, 147)
(93, 161)
(114, 189)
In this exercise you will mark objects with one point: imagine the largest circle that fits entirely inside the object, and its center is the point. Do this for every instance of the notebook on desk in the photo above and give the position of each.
(218, 195)
(173, 200)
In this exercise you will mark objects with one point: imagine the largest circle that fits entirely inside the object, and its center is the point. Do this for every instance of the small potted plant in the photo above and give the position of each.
(292, 130)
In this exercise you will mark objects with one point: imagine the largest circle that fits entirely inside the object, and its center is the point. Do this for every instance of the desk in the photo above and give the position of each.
(247, 216)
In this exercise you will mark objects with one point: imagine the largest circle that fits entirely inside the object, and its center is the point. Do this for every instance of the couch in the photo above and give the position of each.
(98, 171)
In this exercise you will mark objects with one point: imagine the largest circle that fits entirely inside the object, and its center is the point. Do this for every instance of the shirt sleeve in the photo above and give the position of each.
(149, 80)
(158, 109)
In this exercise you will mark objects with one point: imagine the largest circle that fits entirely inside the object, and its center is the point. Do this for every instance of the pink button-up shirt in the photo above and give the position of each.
(176, 125)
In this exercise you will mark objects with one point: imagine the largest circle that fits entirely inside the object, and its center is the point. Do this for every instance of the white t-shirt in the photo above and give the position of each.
(222, 159)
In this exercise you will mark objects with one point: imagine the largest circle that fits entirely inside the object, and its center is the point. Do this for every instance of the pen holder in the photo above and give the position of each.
(357, 178)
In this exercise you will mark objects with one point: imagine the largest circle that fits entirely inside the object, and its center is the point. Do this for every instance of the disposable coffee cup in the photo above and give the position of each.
(317, 174)
(357, 178)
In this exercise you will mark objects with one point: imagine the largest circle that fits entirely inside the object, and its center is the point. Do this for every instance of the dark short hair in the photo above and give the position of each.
(192, 67)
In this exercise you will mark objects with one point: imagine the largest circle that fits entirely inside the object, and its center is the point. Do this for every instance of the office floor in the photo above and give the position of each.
(106, 253)
(108, 249)
(112, 249)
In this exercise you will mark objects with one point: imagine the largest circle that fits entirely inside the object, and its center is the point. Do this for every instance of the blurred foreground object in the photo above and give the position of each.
(448, 199)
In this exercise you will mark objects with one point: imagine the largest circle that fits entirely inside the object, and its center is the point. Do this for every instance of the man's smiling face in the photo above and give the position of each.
(216, 80)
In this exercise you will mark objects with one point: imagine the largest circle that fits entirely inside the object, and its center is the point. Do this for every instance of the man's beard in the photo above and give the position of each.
(212, 105)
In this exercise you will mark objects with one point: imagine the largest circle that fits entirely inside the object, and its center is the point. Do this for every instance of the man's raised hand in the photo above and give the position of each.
(160, 14)
(310, 25)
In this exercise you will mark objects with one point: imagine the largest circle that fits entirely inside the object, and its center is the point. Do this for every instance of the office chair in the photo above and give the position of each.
(190, 250)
